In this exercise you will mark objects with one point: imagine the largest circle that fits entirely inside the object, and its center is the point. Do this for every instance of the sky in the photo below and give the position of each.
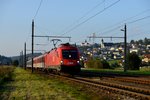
(75, 18)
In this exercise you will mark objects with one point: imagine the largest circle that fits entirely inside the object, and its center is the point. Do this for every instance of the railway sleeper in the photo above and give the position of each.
(138, 90)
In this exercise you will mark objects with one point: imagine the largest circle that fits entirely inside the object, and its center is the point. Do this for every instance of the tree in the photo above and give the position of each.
(146, 41)
(140, 41)
(132, 41)
(90, 63)
(15, 62)
(98, 63)
(133, 61)
(105, 64)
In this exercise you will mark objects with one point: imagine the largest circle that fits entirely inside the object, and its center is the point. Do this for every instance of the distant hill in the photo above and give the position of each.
(28, 56)
(5, 60)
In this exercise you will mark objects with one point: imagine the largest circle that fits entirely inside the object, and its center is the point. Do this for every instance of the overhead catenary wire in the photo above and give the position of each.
(110, 29)
(123, 21)
(139, 31)
(91, 17)
(43, 30)
(130, 36)
(130, 22)
(137, 34)
(138, 19)
(38, 9)
(34, 18)
(96, 15)
(118, 27)
(91, 10)
(100, 3)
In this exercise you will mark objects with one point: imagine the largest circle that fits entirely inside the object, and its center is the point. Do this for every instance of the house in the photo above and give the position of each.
(106, 45)
(85, 43)
(136, 50)
(148, 47)
(146, 58)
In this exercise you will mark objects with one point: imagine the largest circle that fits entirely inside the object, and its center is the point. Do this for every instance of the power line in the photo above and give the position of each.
(128, 22)
(133, 35)
(85, 15)
(91, 10)
(43, 30)
(38, 9)
(91, 17)
(137, 35)
(118, 27)
(121, 22)
(139, 31)
(139, 19)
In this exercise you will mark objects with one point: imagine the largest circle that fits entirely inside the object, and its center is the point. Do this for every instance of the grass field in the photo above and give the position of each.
(142, 71)
(27, 86)
(6, 73)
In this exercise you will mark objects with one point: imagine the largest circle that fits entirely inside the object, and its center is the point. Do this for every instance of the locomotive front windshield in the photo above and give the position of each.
(70, 54)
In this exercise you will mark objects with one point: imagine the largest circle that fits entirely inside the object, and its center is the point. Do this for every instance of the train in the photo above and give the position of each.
(64, 58)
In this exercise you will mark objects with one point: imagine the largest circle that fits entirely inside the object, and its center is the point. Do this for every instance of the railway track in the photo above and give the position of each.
(106, 74)
(131, 80)
(116, 77)
(123, 90)
(137, 93)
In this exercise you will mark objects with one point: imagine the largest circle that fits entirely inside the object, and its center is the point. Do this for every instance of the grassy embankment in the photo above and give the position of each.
(119, 70)
(142, 71)
(6, 73)
(28, 86)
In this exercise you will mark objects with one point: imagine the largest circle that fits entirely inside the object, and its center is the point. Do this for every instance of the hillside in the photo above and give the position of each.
(5, 60)
(28, 56)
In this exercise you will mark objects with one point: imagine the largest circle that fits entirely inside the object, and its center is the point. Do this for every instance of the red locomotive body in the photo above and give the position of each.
(64, 58)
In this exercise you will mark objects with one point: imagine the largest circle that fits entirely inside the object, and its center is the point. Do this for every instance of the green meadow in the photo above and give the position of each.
(25, 85)
(142, 71)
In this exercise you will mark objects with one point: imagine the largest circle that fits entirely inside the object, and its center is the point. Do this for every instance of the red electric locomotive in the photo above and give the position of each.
(64, 58)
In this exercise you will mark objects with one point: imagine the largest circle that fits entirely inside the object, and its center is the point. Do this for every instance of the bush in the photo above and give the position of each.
(6, 73)
(15, 63)
(105, 64)
(114, 65)
(90, 63)
(97, 63)
(133, 61)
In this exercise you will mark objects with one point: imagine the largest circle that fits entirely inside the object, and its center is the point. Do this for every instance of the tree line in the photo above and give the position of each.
(133, 63)
(145, 41)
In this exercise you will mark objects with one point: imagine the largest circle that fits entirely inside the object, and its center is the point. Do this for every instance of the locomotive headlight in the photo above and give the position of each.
(78, 62)
(61, 62)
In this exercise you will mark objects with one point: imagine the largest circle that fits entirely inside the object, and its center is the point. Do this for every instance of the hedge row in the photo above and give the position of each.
(6, 73)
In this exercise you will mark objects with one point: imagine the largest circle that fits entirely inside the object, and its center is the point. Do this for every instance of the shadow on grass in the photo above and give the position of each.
(6, 88)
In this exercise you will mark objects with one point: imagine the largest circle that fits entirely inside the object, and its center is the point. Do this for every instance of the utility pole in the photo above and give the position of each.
(125, 47)
(32, 42)
(21, 59)
(93, 45)
(25, 65)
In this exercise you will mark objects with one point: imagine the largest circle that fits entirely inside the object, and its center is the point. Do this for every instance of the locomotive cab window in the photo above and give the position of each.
(70, 54)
